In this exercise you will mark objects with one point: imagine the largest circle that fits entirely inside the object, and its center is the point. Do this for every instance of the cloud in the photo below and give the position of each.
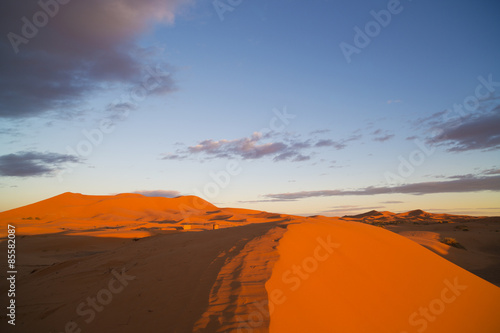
(301, 158)
(264, 200)
(467, 184)
(251, 147)
(330, 143)
(247, 148)
(492, 171)
(159, 193)
(85, 46)
(278, 146)
(177, 157)
(391, 101)
(348, 209)
(320, 131)
(478, 131)
(381, 135)
(30, 164)
(338, 145)
(392, 202)
(120, 110)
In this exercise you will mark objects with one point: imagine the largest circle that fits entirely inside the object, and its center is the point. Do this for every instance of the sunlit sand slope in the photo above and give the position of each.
(335, 276)
(125, 215)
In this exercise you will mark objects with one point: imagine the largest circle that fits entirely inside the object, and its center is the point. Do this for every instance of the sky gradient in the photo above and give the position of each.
(299, 107)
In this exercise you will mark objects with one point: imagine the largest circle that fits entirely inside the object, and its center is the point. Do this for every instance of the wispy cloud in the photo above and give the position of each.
(320, 131)
(337, 144)
(119, 111)
(393, 101)
(247, 148)
(87, 46)
(493, 171)
(342, 210)
(381, 135)
(278, 146)
(30, 164)
(159, 193)
(466, 184)
(258, 145)
(330, 143)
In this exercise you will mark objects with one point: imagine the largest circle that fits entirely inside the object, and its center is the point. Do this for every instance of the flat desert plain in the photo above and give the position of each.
(130, 263)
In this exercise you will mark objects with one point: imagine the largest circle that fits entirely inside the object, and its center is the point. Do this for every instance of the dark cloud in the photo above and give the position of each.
(476, 131)
(392, 202)
(467, 184)
(82, 47)
(29, 164)
(159, 193)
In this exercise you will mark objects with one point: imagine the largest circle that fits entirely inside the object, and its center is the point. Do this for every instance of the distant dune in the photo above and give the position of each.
(129, 263)
(124, 215)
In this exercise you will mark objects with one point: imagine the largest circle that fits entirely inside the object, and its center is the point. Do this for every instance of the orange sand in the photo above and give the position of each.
(373, 281)
(260, 272)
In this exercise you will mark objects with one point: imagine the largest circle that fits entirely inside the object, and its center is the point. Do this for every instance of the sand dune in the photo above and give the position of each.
(128, 263)
(124, 215)
(351, 277)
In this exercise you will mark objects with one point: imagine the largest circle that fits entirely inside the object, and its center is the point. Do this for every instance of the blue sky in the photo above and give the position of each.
(255, 103)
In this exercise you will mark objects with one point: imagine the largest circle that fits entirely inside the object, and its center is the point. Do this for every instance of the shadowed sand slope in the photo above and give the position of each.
(166, 283)
(352, 277)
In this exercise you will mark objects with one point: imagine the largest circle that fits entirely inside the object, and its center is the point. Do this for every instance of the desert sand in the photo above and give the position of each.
(129, 263)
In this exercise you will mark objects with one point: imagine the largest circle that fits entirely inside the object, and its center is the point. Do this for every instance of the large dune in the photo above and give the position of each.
(128, 263)
(351, 277)
(124, 215)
